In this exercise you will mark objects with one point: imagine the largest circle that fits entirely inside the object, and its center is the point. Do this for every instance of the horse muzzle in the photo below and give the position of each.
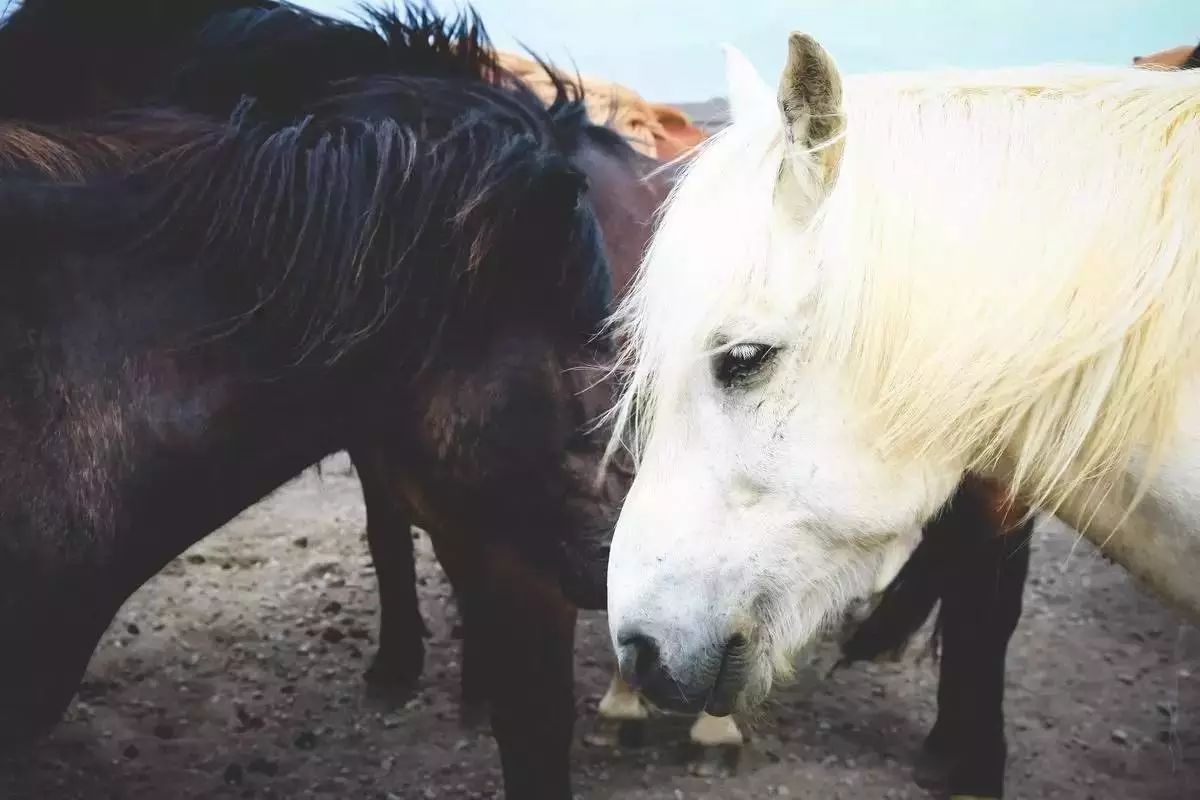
(710, 677)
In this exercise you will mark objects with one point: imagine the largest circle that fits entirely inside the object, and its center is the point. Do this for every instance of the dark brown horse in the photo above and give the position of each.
(221, 303)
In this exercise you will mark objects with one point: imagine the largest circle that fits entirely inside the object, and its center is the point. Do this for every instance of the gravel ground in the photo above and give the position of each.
(237, 673)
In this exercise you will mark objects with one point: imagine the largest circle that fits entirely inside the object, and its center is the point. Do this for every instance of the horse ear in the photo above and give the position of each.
(810, 95)
(749, 94)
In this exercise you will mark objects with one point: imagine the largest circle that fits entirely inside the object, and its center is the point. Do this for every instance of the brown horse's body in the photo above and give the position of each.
(518, 626)
(655, 130)
(1185, 56)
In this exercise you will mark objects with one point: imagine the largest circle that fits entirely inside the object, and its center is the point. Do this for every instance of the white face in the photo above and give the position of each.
(760, 510)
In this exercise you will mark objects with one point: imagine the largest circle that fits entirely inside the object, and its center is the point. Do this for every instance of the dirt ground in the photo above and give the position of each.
(237, 673)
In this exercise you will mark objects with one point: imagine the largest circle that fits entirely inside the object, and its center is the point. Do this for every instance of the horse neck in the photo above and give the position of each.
(626, 190)
(1158, 540)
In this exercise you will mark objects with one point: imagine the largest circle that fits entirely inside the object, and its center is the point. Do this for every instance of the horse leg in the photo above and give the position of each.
(529, 629)
(982, 592)
(622, 713)
(48, 644)
(461, 560)
(401, 655)
(904, 607)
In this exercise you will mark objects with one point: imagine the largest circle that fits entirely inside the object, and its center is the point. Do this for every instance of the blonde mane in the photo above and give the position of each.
(1006, 269)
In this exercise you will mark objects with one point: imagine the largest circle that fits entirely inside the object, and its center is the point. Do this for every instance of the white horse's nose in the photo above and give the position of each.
(705, 676)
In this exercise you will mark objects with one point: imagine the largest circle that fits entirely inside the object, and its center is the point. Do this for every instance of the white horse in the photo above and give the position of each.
(857, 296)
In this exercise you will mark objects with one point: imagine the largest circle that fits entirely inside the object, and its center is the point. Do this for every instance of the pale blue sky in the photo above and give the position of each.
(669, 51)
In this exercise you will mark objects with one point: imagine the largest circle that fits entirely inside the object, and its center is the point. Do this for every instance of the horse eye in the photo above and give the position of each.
(741, 362)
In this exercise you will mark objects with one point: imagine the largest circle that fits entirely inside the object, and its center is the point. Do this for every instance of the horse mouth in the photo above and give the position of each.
(731, 677)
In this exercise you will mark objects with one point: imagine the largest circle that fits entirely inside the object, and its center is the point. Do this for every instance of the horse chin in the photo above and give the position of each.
(757, 688)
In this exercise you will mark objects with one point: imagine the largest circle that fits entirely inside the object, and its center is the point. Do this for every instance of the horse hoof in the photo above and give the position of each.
(628, 734)
(475, 714)
(932, 771)
(710, 731)
(631, 734)
(390, 676)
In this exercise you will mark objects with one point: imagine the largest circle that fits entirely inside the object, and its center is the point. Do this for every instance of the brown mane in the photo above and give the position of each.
(72, 153)
(24, 147)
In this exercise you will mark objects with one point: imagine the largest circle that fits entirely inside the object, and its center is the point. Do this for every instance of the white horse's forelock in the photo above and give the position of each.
(1006, 265)
(692, 279)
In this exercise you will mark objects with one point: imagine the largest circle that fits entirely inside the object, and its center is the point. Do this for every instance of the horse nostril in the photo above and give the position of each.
(638, 658)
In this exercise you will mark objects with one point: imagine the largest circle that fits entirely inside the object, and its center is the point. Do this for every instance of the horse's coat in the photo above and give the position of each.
(911, 277)
(218, 304)
(653, 129)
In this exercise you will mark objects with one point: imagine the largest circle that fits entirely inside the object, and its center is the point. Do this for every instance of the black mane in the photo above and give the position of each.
(209, 54)
(371, 171)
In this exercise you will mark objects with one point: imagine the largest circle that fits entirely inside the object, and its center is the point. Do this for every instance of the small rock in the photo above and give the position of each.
(164, 731)
(263, 767)
(131, 751)
(1119, 736)
(234, 774)
(334, 607)
(306, 740)
(132, 629)
(196, 558)
(332, 635)
(248, 721)
(301, 542)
